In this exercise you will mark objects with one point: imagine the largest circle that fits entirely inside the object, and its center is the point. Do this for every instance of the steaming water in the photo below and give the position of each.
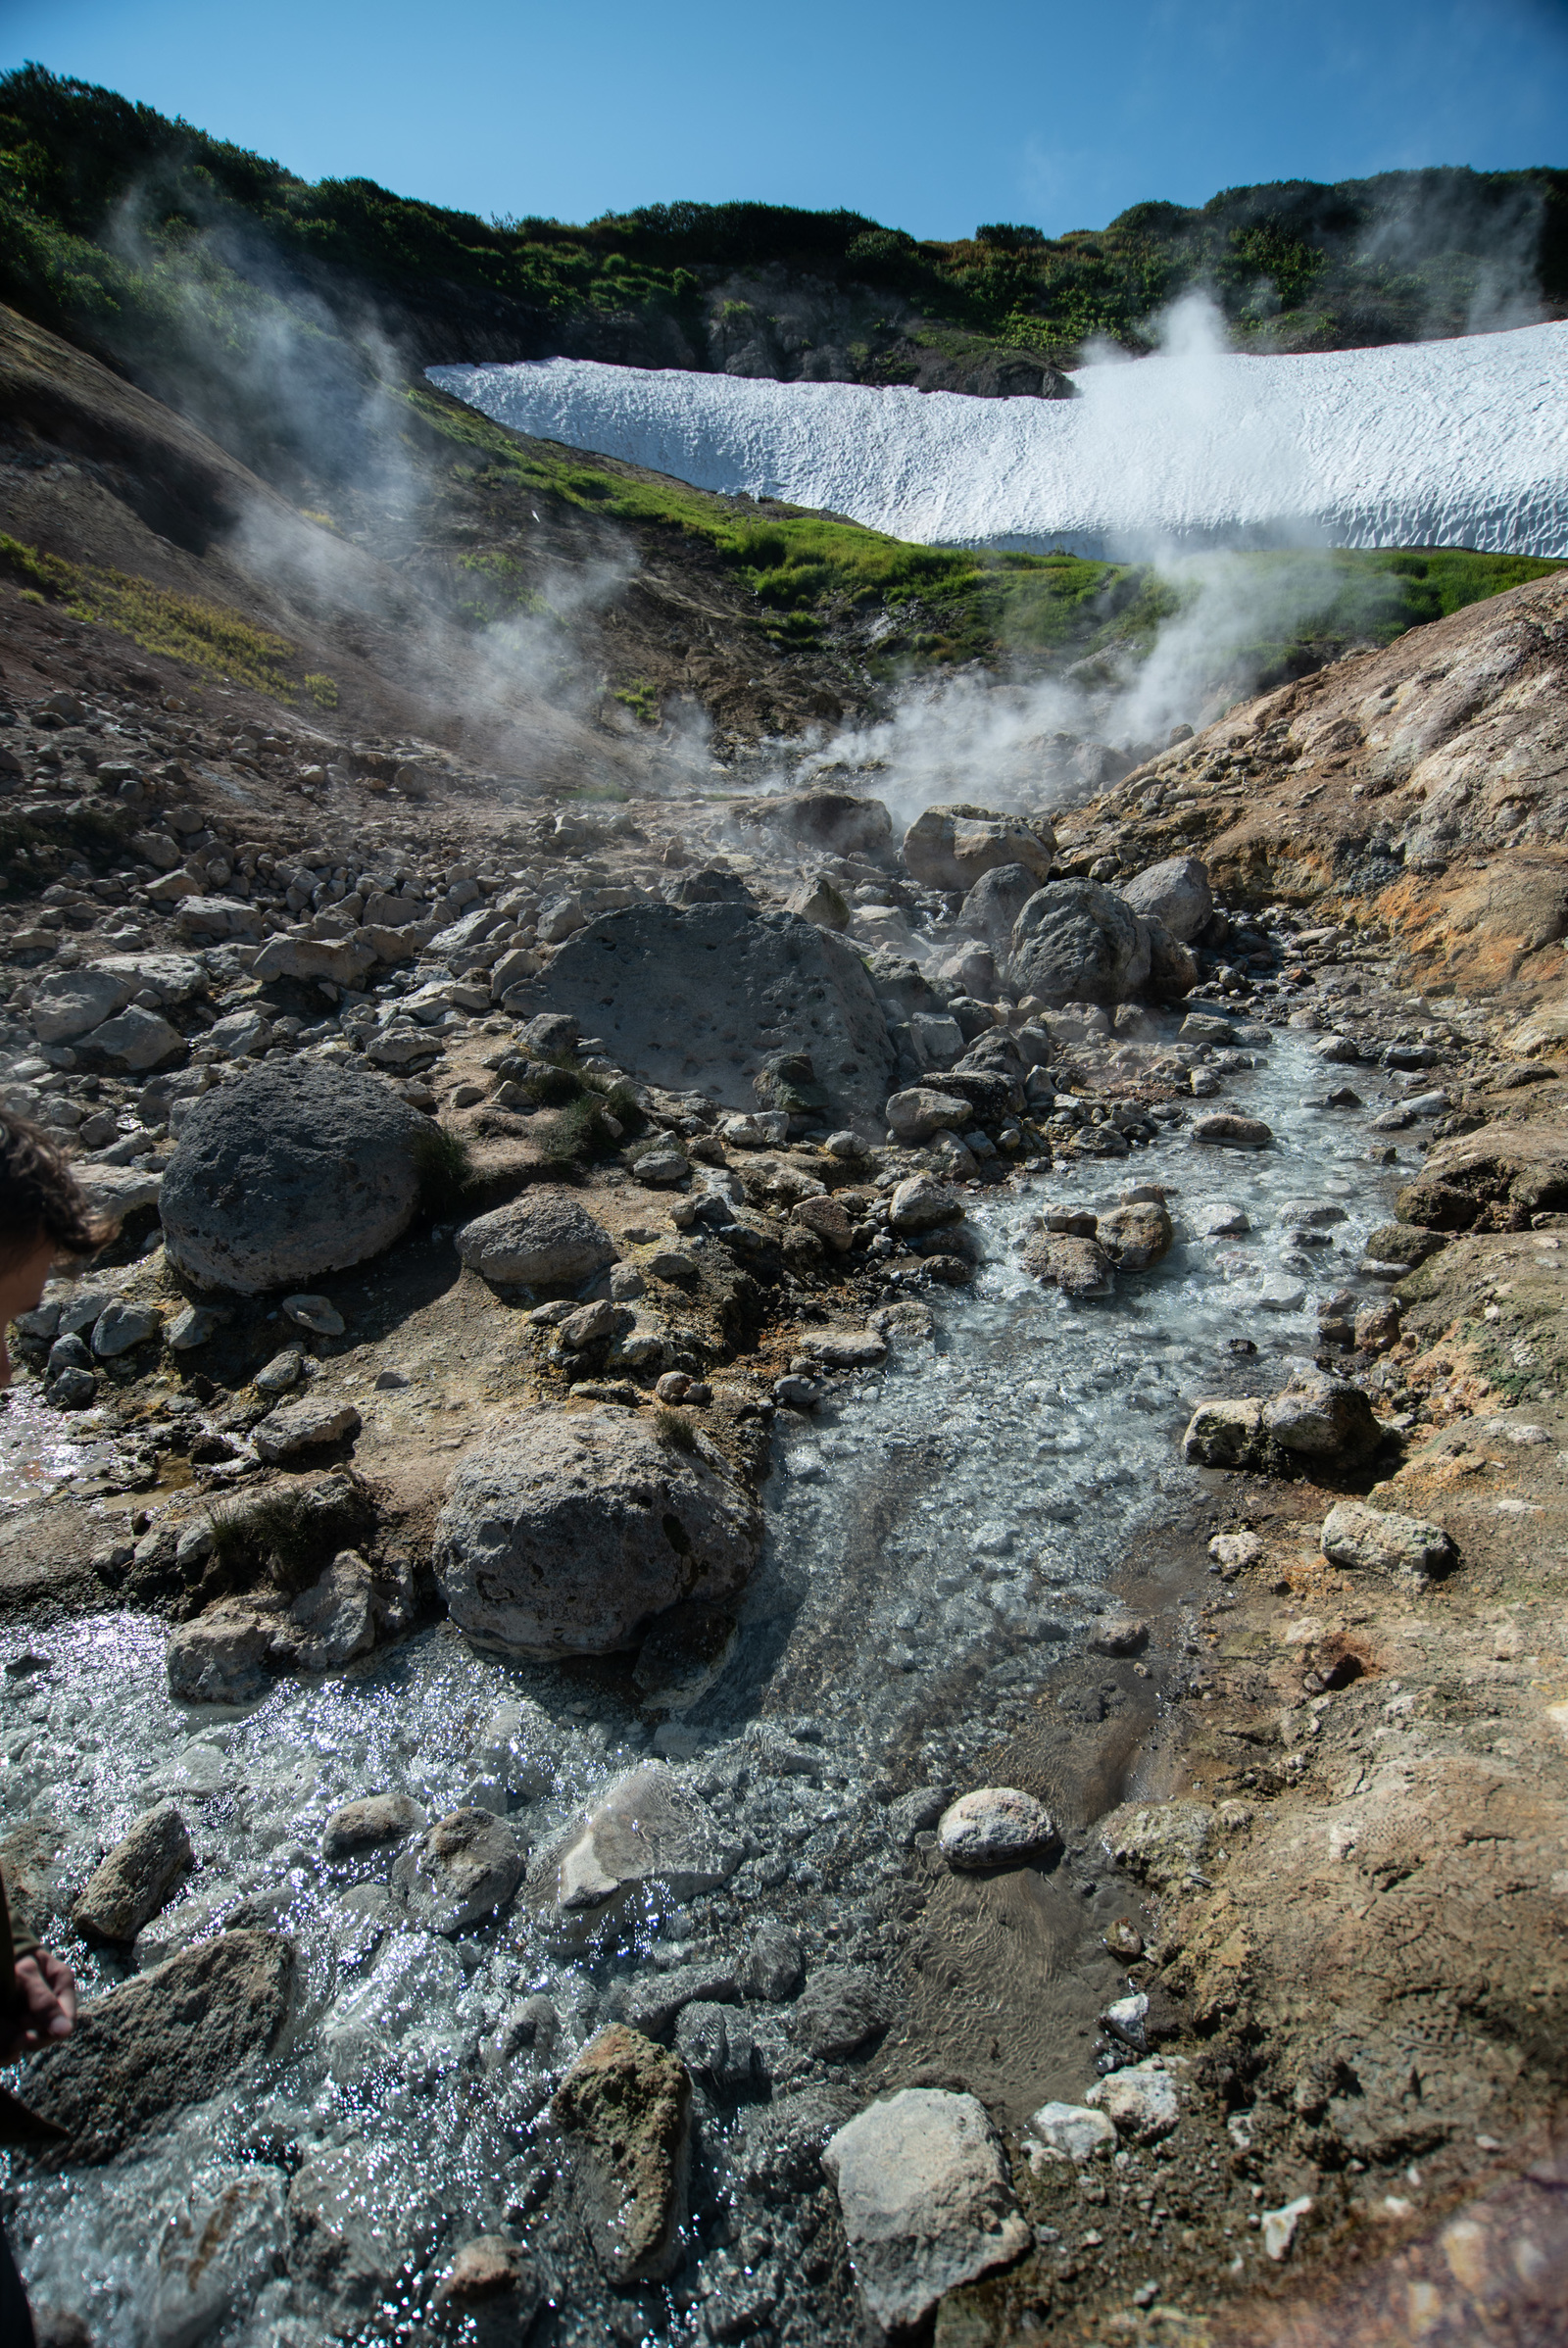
(959, 1511)
(1457, 443)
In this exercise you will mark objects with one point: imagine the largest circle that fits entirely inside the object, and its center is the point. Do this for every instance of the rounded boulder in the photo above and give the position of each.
(544, 1238)
(1076, 942)
(568, 1536)
(290, 1172)
(1176, 893)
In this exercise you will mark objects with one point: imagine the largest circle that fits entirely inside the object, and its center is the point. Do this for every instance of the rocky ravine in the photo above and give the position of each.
(339, 1376)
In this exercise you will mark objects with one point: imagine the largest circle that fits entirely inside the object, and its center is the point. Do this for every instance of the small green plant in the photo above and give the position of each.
(287, 1538)
(640, 699)
(445, 1170)
(321, 690)
(205, 636)
(670, 1427)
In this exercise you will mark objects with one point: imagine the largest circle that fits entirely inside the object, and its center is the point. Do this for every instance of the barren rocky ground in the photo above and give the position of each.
(469, 1607)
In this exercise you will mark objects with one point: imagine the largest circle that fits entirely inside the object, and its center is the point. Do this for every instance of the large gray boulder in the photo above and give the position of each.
(951, 847)
(567, 1536)
(1076, 942)
(996, 900)
(702, 995)
(546, 1236)
(288, 1172)
(170, 2038)
(66, 1003)
(838, 821)
(1176, 893)
(926, 2201)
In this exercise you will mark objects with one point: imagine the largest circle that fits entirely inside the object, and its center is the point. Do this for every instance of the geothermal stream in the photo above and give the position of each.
(942, 1535)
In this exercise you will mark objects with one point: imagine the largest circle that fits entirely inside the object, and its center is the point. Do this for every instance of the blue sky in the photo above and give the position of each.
(931, 117)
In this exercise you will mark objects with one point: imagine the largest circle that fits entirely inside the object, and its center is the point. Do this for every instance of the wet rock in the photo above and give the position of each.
(654, 2001)
(1407, 1244)
(170, 2038)
(290, 1171)
(213, 2254)
(1176, 893)
(1319, 1417)
(121, 1327)
(648, 1829)
(782, 2142)
(773, 1968)
(950, 847)
(663, 985)
(847, 1348)
(1076, 942)
(926, 2202)
(305, 1427)
(360, 2214)
(544, 1238)
(1370, 1540)
(1161, 1843)
(1079, 1267)
(923, 1203)
(1140, 2102)
(220, 1658)
(923, 1110)
(1229, 1130)
(1136, 1237)
(1072, 2131)
(997, 1826)
(627, 2105)
(138, 1877)
(841, 2009)
(717, 2046)
(335, 1619)
(569, 1535)
(492, 2292)
(365, 1824)
(71, 1388)
(519, 1747)
(461, 1871)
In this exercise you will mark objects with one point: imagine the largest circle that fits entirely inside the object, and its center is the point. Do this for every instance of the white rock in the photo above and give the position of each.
(995, 1826)
(1371, 1540)
(645, 1828)
(1140, 2101)
(926, 2199)
(1279, 2226)
(1072, 2131)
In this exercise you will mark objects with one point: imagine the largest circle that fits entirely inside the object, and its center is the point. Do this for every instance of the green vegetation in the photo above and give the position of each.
(1293, 264)
(287, 1538)
(670, 1427)
(321, 690)
(205, 636)
(445, 1170)
(953, 603)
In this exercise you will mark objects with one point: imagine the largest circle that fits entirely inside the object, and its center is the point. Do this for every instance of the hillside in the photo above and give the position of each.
(111, 214)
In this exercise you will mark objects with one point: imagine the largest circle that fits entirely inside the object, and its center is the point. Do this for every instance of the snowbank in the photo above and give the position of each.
(1462, 443)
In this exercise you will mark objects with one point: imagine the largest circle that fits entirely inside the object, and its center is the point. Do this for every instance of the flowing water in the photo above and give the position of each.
(945, 1525)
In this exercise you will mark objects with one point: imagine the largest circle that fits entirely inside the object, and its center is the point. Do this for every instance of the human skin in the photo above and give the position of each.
(46, 1985)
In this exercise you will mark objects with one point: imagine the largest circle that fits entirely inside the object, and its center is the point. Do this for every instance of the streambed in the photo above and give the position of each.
(942, 1539)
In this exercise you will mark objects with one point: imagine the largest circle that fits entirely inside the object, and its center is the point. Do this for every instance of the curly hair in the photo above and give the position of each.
(41, 1197)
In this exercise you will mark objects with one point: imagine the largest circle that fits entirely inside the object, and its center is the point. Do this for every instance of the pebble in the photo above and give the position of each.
(997, 1826)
